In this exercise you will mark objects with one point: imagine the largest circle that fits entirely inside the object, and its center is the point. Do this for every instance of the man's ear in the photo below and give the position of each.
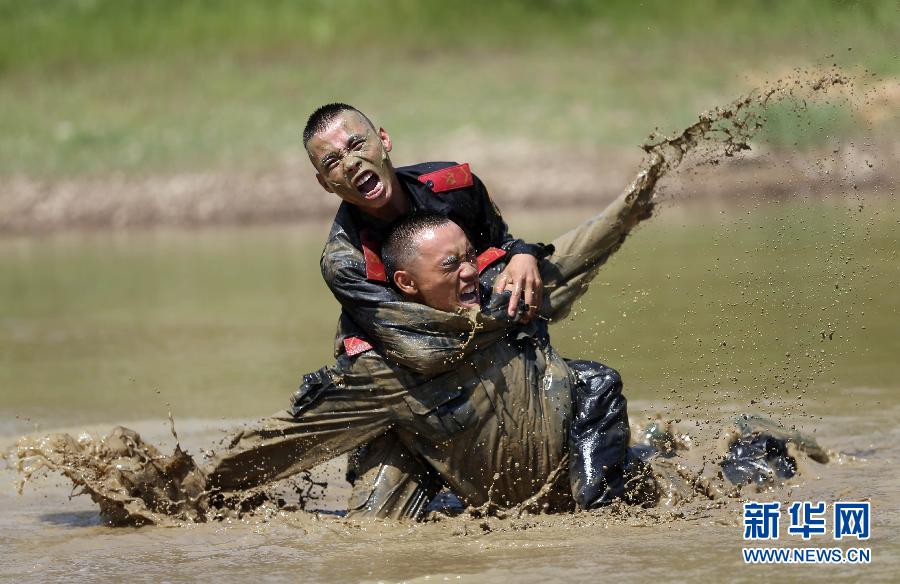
(405, 282)
(385, 139)
(324, 183)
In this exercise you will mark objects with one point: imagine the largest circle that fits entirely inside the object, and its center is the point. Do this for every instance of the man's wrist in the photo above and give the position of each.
(517, 246)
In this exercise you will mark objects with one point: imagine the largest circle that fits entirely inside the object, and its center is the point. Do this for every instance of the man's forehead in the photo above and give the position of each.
(441, 240)
(345, 124)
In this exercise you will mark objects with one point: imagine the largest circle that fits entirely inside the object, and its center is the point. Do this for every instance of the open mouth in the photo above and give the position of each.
(368, 184)
(469, 295)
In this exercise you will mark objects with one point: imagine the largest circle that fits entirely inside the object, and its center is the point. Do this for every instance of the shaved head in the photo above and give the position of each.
(430, 260)
(324, 115)
(400, 247)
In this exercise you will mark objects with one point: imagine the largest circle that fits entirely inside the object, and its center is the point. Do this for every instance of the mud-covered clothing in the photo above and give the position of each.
(391, 480)
(354, 274)
(495, 426)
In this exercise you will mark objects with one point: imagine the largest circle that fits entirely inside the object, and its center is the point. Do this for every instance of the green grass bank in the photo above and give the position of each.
(92, 87)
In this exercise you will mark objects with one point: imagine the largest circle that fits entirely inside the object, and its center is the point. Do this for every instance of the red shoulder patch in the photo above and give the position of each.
(447, 179)
(355, 346)
(371, 252)
(488, 257)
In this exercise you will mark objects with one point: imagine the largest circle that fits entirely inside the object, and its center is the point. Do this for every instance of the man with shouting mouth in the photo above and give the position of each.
(521, 416)
(352, 160)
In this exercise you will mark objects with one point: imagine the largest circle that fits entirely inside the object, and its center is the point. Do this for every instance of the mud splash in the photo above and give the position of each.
(727, 131)
(133, 483)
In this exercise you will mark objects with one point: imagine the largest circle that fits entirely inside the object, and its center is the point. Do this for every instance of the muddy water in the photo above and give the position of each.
(45, 535)
(798, 321)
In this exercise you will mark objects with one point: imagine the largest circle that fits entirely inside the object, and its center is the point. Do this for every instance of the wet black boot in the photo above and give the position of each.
(599, 466)
(758, 452)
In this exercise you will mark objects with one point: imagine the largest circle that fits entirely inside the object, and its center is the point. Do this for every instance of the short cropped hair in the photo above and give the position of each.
(399, 247)
(324, 115)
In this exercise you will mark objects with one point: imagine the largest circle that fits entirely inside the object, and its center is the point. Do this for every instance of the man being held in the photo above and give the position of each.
(512, 424)
(351, 159)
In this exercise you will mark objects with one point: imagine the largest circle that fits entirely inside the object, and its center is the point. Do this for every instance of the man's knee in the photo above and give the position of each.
(610, 378)
(597, 400)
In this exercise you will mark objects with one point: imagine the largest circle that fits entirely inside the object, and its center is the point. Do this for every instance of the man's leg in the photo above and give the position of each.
(335, 411)
(601, 468)
(390, 482)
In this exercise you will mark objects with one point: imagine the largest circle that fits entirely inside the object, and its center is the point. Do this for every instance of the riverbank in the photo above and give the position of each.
(118, 115)
(521, 176)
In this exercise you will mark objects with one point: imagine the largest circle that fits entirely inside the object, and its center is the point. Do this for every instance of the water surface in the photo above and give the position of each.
(788, 310)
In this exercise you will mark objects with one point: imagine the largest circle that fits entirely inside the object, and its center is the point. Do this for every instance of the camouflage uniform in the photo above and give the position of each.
(480, 404)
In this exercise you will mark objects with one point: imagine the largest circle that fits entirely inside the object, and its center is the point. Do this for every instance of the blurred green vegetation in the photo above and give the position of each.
(95, 86)
(52, 33)
(780, 304)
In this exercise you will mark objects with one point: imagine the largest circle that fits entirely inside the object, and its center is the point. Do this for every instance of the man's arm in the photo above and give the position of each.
(579, 253)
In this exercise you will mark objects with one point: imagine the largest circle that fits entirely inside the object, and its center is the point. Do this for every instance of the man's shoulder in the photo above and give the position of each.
(416, 170)
(438, 177)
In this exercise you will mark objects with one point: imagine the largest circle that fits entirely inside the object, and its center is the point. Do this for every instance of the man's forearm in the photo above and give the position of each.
(579, 253)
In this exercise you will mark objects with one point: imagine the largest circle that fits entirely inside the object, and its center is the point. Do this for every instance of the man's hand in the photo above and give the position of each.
(521, 274)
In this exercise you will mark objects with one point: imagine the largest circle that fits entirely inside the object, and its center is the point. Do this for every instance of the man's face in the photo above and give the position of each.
(444, 274)
(351, 160)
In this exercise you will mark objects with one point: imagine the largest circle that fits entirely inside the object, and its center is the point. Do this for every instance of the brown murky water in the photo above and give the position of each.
(47, 536)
